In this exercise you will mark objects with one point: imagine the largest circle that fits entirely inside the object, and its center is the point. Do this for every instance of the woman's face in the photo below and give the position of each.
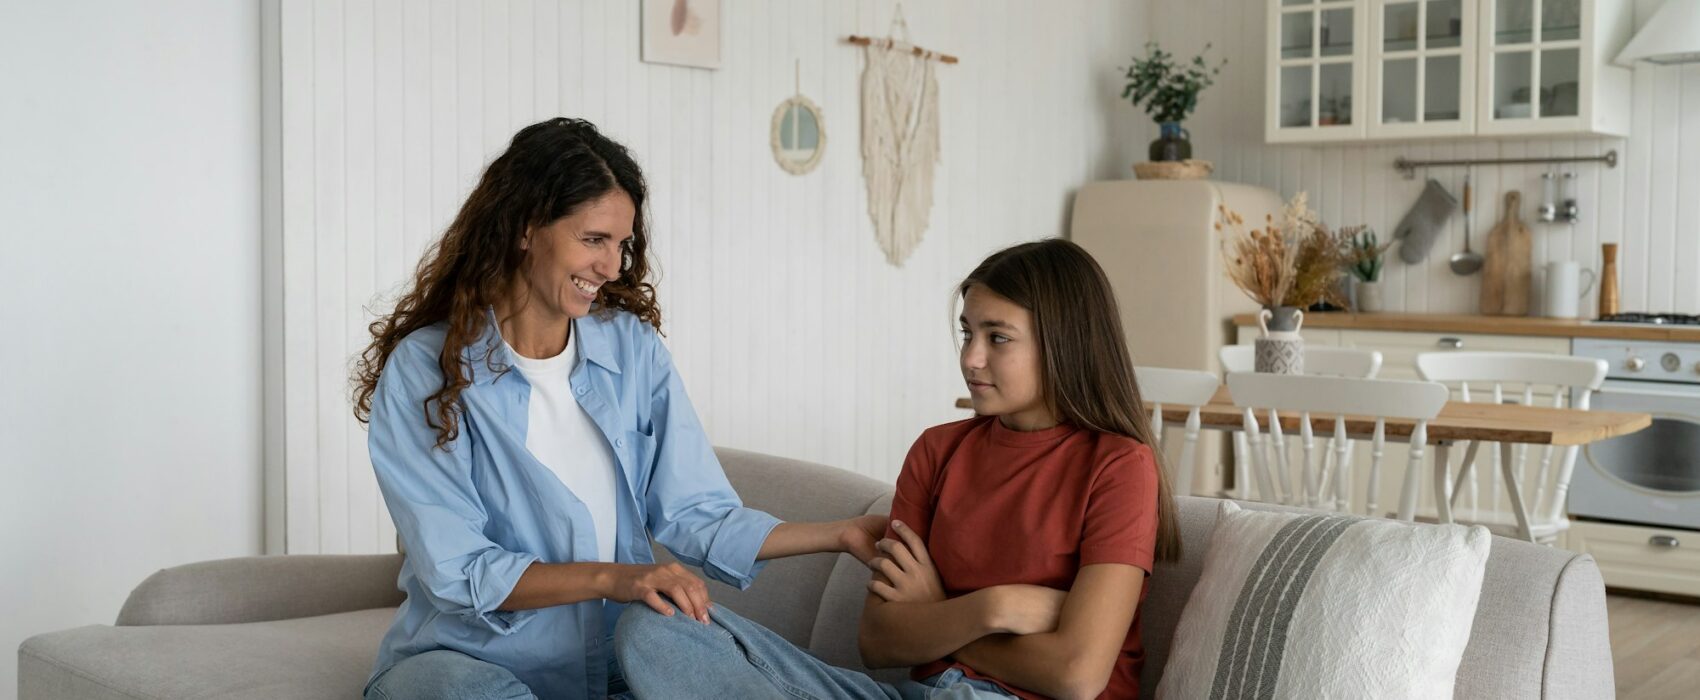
(1000, 361)
(569, 259)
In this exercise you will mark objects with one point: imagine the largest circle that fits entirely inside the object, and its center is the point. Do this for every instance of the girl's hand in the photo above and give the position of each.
(648, 583)
(1020, 608)
(908, 571)
(859, 535)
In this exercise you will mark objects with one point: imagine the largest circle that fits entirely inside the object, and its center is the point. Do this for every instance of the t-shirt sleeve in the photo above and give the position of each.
(1121, 512)
(913, 501)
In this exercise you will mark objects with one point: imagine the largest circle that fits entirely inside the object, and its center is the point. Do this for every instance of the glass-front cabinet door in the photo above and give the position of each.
(1421, 67)
(1315, 74)
(1532, 73)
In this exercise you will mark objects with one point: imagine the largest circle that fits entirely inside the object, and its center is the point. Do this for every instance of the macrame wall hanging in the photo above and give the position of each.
(900, 136)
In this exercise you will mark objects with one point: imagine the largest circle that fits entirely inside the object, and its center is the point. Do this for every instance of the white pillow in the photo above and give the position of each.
(1318, 605)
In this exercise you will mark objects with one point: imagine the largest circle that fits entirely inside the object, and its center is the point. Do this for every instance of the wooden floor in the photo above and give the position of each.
(1655, 647)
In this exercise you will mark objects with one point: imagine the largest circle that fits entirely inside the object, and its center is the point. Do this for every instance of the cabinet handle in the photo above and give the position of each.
(1665, 541)
(1453, 343)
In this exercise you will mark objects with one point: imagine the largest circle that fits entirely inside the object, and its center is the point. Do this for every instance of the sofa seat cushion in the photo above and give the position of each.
(311, 657)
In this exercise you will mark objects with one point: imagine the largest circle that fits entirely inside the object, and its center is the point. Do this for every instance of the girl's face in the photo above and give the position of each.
(572, 257)
(1000, 361)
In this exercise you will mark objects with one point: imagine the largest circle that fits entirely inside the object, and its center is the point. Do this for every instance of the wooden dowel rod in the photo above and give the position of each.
(918, 51)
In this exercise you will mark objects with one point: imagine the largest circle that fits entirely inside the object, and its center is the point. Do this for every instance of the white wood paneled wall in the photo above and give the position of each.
(1649, 204)
(793, 335)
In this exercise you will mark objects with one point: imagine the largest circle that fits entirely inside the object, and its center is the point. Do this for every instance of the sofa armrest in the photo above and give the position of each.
(1578, 658)
(256, 589)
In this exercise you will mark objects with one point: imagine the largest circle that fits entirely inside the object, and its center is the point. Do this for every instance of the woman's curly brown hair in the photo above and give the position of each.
(549, 170)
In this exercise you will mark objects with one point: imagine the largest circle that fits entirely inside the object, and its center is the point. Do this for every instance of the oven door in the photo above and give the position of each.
(1651, 476)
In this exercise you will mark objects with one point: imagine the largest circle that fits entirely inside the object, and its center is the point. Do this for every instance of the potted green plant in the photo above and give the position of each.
(1168, 91)
(1365, 261)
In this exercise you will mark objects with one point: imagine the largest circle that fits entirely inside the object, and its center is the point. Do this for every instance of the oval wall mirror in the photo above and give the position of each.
(799, 135)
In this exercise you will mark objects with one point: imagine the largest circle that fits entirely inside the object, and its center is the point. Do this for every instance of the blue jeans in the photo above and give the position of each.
(450, 675)
(676, 657)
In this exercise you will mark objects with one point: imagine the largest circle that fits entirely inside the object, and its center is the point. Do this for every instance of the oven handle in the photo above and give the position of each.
(1631, 388)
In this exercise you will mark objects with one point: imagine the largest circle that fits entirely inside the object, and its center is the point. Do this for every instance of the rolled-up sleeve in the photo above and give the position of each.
(692, 509)
(433, 502)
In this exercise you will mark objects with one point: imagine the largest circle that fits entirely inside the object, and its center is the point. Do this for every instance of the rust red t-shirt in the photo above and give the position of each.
(998, 506)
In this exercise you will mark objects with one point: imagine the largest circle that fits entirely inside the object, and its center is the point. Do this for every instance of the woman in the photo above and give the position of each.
(530, 435)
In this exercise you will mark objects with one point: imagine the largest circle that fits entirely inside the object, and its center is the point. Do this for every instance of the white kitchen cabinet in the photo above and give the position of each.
(1565, 47)
(1358, 70)
(1422, 68)
(1640, 558)
(1399, 349)
(1314, 78)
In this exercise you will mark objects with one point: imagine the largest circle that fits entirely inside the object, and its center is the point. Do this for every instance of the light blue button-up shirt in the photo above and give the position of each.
(475, 516)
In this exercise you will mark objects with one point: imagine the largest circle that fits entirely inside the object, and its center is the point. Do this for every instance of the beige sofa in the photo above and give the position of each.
(308, 626)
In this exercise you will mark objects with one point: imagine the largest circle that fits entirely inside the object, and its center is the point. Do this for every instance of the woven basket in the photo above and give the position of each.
(1173, 170)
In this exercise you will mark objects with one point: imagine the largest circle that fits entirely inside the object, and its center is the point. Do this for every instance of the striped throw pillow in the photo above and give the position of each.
(1317, 605)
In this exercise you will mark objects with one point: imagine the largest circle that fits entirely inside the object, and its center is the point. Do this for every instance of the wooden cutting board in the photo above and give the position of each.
(1505, 272)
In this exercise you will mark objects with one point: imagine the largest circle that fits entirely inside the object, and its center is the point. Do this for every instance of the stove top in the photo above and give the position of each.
(1657, 319)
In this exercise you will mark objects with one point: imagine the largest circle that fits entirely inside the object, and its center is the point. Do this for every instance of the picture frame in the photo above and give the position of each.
(681, 32)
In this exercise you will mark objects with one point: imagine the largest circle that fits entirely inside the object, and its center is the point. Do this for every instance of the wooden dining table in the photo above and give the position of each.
(1458, 422)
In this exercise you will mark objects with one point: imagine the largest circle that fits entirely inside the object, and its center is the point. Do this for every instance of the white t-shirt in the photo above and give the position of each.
(560, 434)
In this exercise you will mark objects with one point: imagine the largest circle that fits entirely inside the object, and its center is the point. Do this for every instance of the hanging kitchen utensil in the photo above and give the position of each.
(1505, 279)
(1423, 223)
(1469, 261)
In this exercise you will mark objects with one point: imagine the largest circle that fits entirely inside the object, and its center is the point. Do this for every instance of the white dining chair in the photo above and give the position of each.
(1495, 376)
(1311, 396)
(1182, 388)
(1319, 359)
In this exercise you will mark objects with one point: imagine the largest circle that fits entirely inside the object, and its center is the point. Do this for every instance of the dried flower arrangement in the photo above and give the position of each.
(1296, 262)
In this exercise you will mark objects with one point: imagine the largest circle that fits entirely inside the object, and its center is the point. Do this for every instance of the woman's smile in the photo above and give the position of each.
(586, 288)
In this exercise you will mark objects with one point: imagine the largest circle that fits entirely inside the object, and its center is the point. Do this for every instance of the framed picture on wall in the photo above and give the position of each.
(682, 32)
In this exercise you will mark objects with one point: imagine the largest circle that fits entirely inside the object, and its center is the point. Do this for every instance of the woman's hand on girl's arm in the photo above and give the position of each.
(907, 574)
(1075, 660)
(656, 585)
(854, 536)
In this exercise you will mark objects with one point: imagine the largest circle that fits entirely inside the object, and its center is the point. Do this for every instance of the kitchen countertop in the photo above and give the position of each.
(1497, 325)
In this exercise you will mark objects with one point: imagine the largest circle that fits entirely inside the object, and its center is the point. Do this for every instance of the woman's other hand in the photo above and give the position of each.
(657, 584)
(907, 569)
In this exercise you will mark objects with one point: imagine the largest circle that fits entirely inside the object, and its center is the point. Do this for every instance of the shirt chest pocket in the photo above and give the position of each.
(636, 452)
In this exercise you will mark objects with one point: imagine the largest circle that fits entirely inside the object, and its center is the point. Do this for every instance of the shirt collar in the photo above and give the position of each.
(594, 342)
(594, 345)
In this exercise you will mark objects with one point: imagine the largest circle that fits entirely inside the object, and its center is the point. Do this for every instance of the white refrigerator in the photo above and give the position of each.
(1157, 242)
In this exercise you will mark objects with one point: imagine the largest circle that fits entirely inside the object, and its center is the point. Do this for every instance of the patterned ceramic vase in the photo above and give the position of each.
(1280, 350)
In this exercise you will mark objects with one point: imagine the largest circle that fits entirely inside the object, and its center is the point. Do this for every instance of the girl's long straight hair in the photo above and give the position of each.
(1087, 372)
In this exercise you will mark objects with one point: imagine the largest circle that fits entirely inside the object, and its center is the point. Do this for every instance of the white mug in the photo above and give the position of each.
(1564, 288)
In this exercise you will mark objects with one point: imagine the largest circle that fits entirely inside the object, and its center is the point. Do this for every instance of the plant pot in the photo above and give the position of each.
(1369, 298)
(1280, 350)
(1173, 143)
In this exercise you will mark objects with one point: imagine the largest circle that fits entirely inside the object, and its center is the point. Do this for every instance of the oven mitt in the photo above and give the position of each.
(1424, 222)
